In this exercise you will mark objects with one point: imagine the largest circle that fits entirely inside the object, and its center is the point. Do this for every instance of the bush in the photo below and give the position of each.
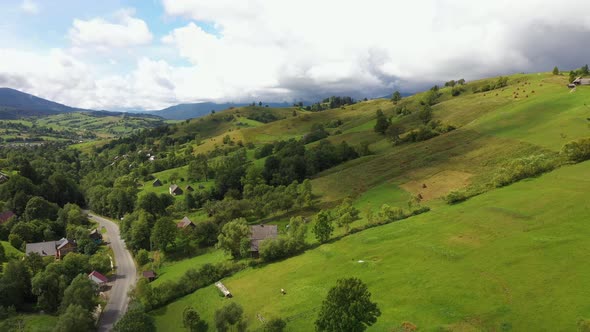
(455, 197)
(523, 168)
(142, 257)
(578, 150)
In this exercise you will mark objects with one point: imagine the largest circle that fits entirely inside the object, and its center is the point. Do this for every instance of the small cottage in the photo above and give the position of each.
(259, 233)
(98, 278)
(189, 189)
(96, 236)
(157, 183)
(581, 81)
(3, 178)
(185, 223)
(149, 275)
(175, 190)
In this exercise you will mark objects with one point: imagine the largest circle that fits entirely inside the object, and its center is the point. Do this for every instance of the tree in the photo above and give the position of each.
(425, 115)
(585, 70)
(100, 262)
(230, 315)
(49, 288)
(15, 285)
(275, 325)
(572, 76)
(39, 208)
(74, 319)
(142, 257)
(322, 229)
(396, 97)
(235, 238)
(382, 123)
(82, 292)
(461, 81)
(555, 70)
(394, 131)
(2, 254)
(192, 321)
(198, 169)
(164, 233)
(135, 320)
(346, 213)
(347, 307)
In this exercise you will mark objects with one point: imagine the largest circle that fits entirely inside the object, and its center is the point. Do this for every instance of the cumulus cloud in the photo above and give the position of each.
(29, 7)
(372, 47)
(290, 50)
(98, 33)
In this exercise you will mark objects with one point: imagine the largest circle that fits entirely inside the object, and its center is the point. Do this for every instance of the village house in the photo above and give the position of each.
(175, 190)
(57, 249)
(96, 236)
(98, 278)
(149, 275)
(581, 81)
(5, 216)
(261, 232)
(185, 223)
(157, 183)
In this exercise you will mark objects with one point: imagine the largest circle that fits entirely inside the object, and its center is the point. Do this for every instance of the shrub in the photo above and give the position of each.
(455, 197)
(523, 168)
(578, 150)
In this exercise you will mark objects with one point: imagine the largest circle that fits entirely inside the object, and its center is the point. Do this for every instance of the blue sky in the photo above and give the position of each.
(150, 54)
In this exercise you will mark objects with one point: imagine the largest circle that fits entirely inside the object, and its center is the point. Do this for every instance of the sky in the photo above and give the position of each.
(151, 54)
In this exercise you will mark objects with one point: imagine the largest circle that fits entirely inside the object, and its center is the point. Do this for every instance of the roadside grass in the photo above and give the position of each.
(505, 259)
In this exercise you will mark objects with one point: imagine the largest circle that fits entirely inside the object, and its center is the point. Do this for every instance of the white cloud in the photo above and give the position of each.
(369, 47)
(98, 33)
(293, 50)
(29, 7)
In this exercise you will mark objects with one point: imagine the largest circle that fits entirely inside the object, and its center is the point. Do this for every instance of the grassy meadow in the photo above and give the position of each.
(506, 260)
(496, 262)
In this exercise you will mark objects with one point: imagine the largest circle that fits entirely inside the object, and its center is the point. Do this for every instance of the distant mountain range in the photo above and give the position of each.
(15, 104)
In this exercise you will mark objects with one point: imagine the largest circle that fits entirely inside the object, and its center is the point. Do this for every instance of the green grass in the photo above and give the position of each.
(10, 251)
(174, 270)
(510, 259)
(38, 322)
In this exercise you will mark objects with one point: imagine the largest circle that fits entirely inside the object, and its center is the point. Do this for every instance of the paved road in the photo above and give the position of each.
(125, 276)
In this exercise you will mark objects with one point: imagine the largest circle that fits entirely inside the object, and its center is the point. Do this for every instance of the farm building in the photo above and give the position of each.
(157, 183)
(581, 81)
(149, 275)
(3, 178)
(185, 223)
(261, 232)
(58, 248)
(189, 189)
(95, 236)
(98, 278)
(175, 190)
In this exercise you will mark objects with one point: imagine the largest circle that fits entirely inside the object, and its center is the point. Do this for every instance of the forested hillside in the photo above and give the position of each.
(438, 202)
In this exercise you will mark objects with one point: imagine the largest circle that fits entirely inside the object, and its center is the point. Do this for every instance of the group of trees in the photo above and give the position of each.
(293, 161)
(331, 102)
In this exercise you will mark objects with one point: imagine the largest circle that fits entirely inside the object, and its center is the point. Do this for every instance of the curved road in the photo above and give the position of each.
(125, 276)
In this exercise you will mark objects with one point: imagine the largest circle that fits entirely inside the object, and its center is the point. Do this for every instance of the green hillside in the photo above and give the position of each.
(503, 260)
(77, 126)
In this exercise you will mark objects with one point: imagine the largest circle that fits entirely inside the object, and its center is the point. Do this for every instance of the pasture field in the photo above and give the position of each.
(505, 260)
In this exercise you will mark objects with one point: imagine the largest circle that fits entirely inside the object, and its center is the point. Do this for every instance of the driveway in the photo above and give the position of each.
(124, 278)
